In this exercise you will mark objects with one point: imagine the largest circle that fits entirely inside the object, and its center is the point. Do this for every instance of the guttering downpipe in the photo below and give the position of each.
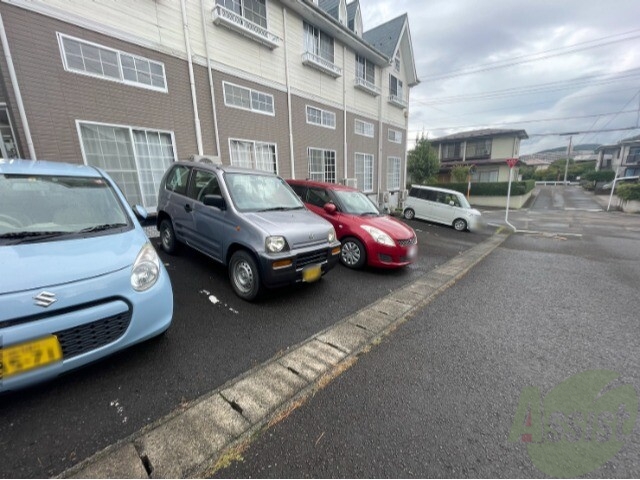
(288, 80)
(344, 110)
(211, 86)
(194, 98)
(16, 90)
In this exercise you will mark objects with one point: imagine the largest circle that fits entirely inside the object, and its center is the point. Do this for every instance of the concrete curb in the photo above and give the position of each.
(189, 441)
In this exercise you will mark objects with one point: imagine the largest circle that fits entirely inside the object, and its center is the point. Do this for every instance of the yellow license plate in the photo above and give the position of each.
(311, 274)
(27, 356)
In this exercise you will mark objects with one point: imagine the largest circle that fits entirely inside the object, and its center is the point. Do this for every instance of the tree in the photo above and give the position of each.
(423, 164)
(460, 173)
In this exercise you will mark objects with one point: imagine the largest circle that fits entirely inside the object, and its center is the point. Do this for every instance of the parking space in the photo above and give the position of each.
(215, 337)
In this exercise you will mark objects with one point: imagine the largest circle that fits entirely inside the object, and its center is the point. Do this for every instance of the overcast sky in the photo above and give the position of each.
(574, 66)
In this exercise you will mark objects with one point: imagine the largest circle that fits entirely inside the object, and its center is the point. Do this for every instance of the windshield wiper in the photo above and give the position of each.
(100, 228)
(279, 209)
(31, 236)
(370, 213)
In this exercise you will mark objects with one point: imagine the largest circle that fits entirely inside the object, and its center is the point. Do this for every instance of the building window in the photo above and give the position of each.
(98, 61)
(395, 87)
(318, 43)
(323, 118)
(365, 70)
(236, 96)
(135, 158)
(253, 10)
(255, 155)
(396, 62)
(393, 173)
(485, 176)
(478, 149)
(364, 171)
(364, 128)
(451, 151)
(322, 165)
(8, 144)
(395, 136)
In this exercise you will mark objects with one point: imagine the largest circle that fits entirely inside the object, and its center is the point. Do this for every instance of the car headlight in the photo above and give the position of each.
(275, 244)
(379, 236)
(331, 237)
(146, 268)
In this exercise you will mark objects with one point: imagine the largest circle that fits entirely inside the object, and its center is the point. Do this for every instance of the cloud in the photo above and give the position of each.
(570, 63)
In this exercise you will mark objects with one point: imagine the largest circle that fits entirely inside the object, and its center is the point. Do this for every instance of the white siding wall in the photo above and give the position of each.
(502, 147)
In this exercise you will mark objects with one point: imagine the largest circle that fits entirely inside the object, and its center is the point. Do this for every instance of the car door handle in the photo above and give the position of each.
(187, 207)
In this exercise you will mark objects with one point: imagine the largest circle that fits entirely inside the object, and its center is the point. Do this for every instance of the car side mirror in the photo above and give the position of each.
(330, 208)
(140, 212)
(215, 201)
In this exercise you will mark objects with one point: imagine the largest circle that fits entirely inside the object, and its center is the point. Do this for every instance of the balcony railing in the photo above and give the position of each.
(397, 101)
(319, 63)
(236, 22)
(366, 86)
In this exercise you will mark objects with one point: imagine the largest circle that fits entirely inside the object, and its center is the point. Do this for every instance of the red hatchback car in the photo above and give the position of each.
(368, 236)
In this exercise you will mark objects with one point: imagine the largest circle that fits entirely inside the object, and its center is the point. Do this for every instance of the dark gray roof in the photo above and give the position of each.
(631, 139)
(352, 8)
(385, 37)
(486, 132)
(332, 7)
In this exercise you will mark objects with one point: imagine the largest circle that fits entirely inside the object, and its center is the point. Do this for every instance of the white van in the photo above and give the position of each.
(442, 206)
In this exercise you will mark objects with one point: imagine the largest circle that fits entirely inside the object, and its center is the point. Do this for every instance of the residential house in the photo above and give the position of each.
(292, 86)
(623, 157)
(486, 150)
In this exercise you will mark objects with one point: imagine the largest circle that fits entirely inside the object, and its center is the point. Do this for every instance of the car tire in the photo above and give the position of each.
(460, 224)
(245, 275)
(409, 214)
(352, 253)
(168, 239)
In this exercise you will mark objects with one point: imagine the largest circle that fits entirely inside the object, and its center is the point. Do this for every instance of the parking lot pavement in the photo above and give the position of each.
(188, 441)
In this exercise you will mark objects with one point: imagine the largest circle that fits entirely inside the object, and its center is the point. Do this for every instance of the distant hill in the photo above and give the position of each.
(590, 147)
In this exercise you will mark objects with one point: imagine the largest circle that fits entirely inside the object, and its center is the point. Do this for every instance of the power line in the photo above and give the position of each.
(518, 60)
(590, 80)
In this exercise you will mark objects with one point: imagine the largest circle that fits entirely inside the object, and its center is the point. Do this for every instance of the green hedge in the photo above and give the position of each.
(628, 192)
(490, 189)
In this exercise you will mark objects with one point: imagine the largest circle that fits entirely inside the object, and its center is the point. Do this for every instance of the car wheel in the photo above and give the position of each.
(244, 275)
(409, 214)
(459, 224)
(168, 237)
(352, 253)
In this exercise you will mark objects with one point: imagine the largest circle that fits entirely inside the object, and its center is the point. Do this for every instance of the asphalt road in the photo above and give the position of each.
(438, 397)
(214, 337)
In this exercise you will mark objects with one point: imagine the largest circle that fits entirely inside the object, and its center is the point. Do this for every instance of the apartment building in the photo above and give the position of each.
(623, 157)
(297, 87)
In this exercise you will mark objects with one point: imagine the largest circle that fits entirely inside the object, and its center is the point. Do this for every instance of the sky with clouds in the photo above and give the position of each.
(545, 66)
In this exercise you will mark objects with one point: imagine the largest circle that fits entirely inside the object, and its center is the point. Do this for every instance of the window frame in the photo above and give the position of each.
(253, 152)
(366, 187)
(395, 183)
(137, 159)
(243, 9)
(366, 126)
(323, 115)
(251, 91)
(119, 53)
(399, 87)
(396, 134)
(317, 35)
(362, 69)
(325, 175)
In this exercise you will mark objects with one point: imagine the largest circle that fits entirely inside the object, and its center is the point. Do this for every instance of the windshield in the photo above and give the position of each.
(261, 193)
(356, 203)
(44, 207)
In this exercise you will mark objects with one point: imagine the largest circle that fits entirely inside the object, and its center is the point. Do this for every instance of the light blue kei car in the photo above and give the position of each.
(79, 279)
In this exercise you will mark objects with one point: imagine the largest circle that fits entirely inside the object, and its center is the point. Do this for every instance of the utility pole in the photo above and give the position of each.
(566, 165)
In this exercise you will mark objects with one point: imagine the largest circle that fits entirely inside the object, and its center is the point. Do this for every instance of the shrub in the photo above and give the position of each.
(628, 192)
(491, 189)
(600, 176)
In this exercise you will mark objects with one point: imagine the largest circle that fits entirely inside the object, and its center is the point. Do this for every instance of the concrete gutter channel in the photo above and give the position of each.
(189, 441)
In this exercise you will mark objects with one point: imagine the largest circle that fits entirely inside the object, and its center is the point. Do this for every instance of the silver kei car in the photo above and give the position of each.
(249, 220)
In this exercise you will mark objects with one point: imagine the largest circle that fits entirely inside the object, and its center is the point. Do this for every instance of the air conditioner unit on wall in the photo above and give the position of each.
(350, 182)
